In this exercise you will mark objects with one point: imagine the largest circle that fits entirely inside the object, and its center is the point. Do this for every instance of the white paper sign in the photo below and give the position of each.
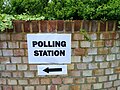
(49, 48)
(52, 69)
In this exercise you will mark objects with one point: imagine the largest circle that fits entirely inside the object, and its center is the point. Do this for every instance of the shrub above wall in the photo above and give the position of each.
(64, 9)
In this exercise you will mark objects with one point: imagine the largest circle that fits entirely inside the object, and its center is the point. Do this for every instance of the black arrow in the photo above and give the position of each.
(52, 70)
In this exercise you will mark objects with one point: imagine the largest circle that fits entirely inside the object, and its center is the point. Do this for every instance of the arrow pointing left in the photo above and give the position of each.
(52, 70)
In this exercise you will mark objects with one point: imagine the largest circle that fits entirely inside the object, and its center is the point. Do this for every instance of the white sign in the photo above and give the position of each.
(49, 48)
(52, 69)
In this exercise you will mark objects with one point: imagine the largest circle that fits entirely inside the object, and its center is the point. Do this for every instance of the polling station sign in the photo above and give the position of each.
(49, 48)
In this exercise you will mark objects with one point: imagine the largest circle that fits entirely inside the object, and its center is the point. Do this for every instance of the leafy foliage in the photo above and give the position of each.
(23, 6)
(83, 9)
(57, 9)
(6, 22)
(63, 9)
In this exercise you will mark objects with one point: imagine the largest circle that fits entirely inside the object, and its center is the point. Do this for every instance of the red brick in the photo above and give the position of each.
(43, 26)
(34, 81)
(114, 35)
(86, 25)
(56, 80)
(23, 44)
(75, 87)
(94, 26)
(9, 30)
(102, 26)
(77, 25)
(17, 25)
(68, 26)
(19, 52)
(45, 81)
(105, 35)
(79, 51)
(3, 44)
(52, 25)
(35, 26)
(16, 36)
(110, 25)
(60, 25)
(78, 36)
(26, 26)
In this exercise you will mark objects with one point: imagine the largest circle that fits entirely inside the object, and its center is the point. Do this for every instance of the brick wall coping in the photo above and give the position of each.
(70, 26)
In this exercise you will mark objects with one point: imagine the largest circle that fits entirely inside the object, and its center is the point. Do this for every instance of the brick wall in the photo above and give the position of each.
(95, 64)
